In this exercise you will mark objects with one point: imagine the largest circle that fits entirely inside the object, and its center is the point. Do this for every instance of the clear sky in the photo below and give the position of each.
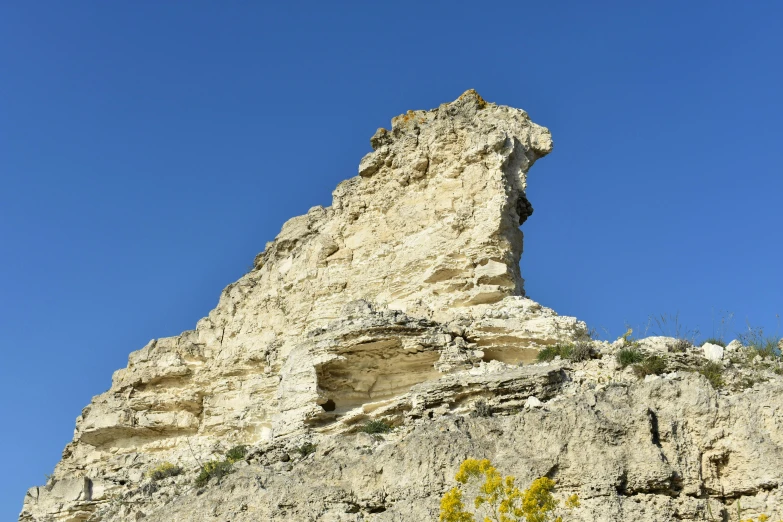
(148, 150)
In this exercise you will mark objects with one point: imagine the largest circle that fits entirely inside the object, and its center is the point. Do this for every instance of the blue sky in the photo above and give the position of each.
(149, 150)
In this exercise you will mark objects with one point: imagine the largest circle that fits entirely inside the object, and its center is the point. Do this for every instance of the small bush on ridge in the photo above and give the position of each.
(628, 339)
(669, 325)
(713, 371)
(550, 352)
(481, 409)
(165, 470)
(213, 469)
(236, 454)
(768, 347)
(220, 468)
(652, 365)
(582, 351)
(627, 356)
(376, 426)
(306, 449)
(760, 344)
(680, 346)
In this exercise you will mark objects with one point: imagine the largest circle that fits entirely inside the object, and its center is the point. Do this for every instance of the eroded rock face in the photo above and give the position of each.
(664, 448)
(649, 451)
(412, 274)
(403, 301)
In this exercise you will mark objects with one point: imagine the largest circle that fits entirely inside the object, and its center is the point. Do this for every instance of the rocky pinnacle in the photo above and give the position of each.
(403, 303)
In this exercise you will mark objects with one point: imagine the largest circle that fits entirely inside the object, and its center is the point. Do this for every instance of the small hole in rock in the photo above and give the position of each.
(329, 405)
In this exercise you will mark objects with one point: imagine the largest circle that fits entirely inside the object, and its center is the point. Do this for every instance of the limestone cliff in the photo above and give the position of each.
(404, 301)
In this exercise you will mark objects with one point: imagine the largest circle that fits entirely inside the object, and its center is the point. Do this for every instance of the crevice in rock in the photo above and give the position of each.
(510, 355)
(654, 432)
(622, 484)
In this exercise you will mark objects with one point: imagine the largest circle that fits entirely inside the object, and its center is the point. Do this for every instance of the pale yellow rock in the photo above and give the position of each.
(404, 301)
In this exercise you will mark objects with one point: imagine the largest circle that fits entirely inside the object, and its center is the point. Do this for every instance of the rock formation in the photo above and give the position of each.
(403, 301)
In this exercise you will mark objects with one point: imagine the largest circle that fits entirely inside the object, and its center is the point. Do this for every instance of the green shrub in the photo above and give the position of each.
(627, 337)
(481, 409)
(220, 468)
(760, 344)
(165, 470)
(236, 454)
(376, 426)
(768, 347)
(550, 352)
(680, 346)
(748, 381)
(547, 354)
(714, 340)
(213, 469)
(652, 365)
(628, 356)
(306, 449)
(713, 371)
(582, 351)
(565, 351)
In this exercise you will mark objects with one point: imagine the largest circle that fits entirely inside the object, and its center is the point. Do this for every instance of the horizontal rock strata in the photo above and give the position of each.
(403, 302)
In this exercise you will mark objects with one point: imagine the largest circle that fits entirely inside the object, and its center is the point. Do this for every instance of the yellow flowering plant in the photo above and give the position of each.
(499, 499)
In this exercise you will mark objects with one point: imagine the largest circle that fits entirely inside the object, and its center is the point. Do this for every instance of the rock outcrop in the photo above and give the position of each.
(403, 301)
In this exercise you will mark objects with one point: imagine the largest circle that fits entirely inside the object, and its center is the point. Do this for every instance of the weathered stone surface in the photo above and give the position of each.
(733, 346)
(403, 301)
(713, 352)
(632, 450)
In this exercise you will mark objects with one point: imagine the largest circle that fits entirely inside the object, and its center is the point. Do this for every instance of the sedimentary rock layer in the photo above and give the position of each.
(411, 274)
(403, 302)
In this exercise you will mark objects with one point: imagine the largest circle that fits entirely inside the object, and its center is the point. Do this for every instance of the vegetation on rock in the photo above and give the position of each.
(481, 409)
(653, 365)
(220, 468)
(558, 350)
(499, 499)
(376, 426)
(628, 356)
(581, 350)
(306, 449)
(165, 470)
(236, 453)
(760, 344)
(713, 371)
(213, 469)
